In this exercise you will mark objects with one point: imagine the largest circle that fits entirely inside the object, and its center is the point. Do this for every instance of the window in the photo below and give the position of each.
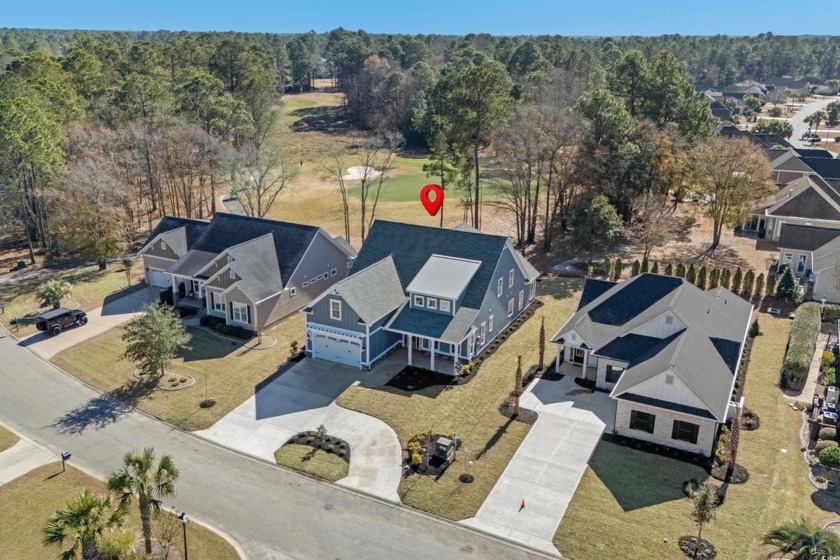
(490, 324)
(349, 264)
(335, 310)
(685, 431)
(240, 312)
(642, 421)
(483, 332)
(218, 303)
(669, 320)
(418, 301)
(499, 287)
(613, 373)
(445, 305)
(320, 277)
(292, 292)
(305, 283)
(333, 272)
(232, 275)
(510, 278)
(431, 303)
(578, 355)
(229, 259)
(510, 307)
(163, 245)
(533, 292)
(521, 298)
(669, 379)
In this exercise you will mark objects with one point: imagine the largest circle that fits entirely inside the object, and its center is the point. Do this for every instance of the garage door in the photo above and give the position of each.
(159, 278)
(337, 348)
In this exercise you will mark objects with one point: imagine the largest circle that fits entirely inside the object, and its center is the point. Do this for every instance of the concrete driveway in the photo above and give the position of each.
(302, 399)
(549, 464)
(111, 314)
(799, 125)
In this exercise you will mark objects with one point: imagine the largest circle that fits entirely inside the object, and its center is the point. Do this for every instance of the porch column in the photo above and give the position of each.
(557, 357)
(409, 348)
(432, 348)
(174, 281)
(585, 359)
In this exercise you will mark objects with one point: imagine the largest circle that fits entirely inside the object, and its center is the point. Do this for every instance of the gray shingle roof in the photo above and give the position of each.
(181, 241)
(593, 288)
(628, 347)
(805, 238)
(435, 325)
(373, 291)
(827, 168)
(345, 245)
(255, 263)
(192, 262)
(694, 411)
(444, 277)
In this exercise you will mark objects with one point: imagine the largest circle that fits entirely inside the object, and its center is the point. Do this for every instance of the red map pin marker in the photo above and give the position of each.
(432, 206)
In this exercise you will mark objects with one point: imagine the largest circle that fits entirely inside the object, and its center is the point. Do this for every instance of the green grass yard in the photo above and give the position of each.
(231, 371)
(469, 411)
(629, 502)
(27, 503)
(7, 439)
(321, 464)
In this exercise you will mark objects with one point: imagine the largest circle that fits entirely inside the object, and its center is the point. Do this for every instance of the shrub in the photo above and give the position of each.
(828, 360)
(655, 268)
(771, 284)
(211, 321)
(714, 278)
(645, 265)
(617, 269)
(755, 329)
(802, 342)
(637, 267)
(828, 433)
(830, 376)
(680, 271)
(747, 288)
(186, 311)
(831, 314)
(775, 112)
(787, 287)
(830, 457)
(759, 286)
(608, 268)
(702, 278)
(691, 274)
(823, 444)
(669, 269)
(236, 332)
(165, 296)
(737, 280)
(724, 278)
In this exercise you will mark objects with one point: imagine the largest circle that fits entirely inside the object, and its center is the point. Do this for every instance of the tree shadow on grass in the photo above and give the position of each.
(494, 439)
(331, 120)
(104, 409)
(826, 501)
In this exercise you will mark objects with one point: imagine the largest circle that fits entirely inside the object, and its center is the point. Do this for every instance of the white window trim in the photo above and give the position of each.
(483, 332)
(163, 245)
(533, 292)
(333, 272)
(510, 307)
(445, 305)
(292, 292)
(332, 316)
(305, 284)
(239, 309)
(232, 275)
(418, 301)
(510, 278)
(499, 287)
(490, 324)
(219, 302)
(521, 298)
(431, 303)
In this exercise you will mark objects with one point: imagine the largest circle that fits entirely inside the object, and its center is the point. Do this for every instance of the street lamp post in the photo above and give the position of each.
(183, 519)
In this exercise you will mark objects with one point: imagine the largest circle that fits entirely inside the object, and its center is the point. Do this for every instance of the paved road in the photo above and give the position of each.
(271, 512)
(800, 127)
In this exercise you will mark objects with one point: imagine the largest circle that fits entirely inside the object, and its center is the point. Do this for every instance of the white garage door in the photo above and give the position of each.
(159, 278)
(337, 348)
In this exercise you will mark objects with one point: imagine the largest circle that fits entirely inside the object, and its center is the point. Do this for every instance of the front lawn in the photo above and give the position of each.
(321, 464)
(230, 371)
(7, 439)
(90, 287)
(470, 412)
(27, 503)
(629, 502)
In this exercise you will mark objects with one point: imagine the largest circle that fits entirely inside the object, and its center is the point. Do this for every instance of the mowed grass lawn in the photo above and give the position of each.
(231, 371)
(90, 287)
(470, 411)
(27, 503)
(7, 439)
(321, 464)
(628, 502)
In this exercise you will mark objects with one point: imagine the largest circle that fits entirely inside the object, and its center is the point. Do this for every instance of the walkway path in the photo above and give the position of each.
(302, 399)
(111, 314)
(549, 464)
(21, 458)
(274, 513)
(806, 395)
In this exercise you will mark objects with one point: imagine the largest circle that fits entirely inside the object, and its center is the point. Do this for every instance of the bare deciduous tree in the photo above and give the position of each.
(259, 177)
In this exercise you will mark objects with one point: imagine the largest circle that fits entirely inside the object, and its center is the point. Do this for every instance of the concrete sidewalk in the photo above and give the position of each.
(548, 466)
(21, 458)
(110, 315)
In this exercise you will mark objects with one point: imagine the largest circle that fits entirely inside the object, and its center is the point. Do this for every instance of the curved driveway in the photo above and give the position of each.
(273, 513)
(799, 125)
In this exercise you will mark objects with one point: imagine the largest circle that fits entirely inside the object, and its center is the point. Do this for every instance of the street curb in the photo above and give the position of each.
(360, 493)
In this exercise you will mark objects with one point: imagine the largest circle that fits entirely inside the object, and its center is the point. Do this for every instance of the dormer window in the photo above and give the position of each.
(431, 303)
(669, 379)
(232, 275)
(229, 259)
(163, 245)
(445, 305)
(418, 301)
(669, 319)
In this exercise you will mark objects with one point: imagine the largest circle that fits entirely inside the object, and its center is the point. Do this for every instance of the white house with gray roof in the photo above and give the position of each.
(252, 272)
(667, 351)
(445, 293)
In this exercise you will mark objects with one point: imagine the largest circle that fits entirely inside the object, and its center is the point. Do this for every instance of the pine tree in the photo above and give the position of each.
(701, 278)
(749, 282)
(608, 270)
(724, 278)
(617, 269)
(669, 269)
(759, 287)
(691, 275)
(680, 271)
(755, 329)
(771, 284)
(714, 278)
(517, 386)
(737, 280)
(637, 266)
(542, 341)
(645, 265)
(655, 268)
(787, 286)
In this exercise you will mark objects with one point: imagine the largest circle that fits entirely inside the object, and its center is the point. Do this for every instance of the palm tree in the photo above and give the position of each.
(53, 291)
(140, 477)
(803, 540)
(85, 519)
(818, 117)
(517, 386)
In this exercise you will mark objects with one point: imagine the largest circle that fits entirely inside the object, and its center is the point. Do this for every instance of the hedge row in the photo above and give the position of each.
(802, 343)
(218, 325)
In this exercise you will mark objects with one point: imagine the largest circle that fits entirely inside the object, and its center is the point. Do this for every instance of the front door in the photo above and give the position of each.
(578, 354)
(196, 288)
(800, 267)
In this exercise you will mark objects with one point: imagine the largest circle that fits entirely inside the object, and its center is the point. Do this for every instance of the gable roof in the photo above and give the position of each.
(435, 325)
(179, 233)
(372, 292)
(807, 197)
(703, 352)
(592, 289)
(805, 238)
(444, 277)
(255, 263)
(827, 168)
(827, 256)
(814, 153)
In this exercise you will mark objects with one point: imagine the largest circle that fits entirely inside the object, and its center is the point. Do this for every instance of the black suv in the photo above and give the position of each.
(59, 319)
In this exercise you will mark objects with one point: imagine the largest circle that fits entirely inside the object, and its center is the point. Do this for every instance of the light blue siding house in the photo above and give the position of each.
(444, 292)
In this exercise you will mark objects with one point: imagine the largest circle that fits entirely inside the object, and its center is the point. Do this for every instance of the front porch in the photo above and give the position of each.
(423, 359)
(192, 302)
(433, 354)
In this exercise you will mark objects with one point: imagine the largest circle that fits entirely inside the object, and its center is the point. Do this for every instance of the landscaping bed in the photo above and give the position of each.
(697, 549)
(324, 442)
(412, 378)
(526, 415)
(312, 461)
(802, 343)
(657, 449)
(420, 458)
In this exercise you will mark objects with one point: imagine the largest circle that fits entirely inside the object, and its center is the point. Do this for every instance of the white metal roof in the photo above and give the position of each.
(444, 277)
